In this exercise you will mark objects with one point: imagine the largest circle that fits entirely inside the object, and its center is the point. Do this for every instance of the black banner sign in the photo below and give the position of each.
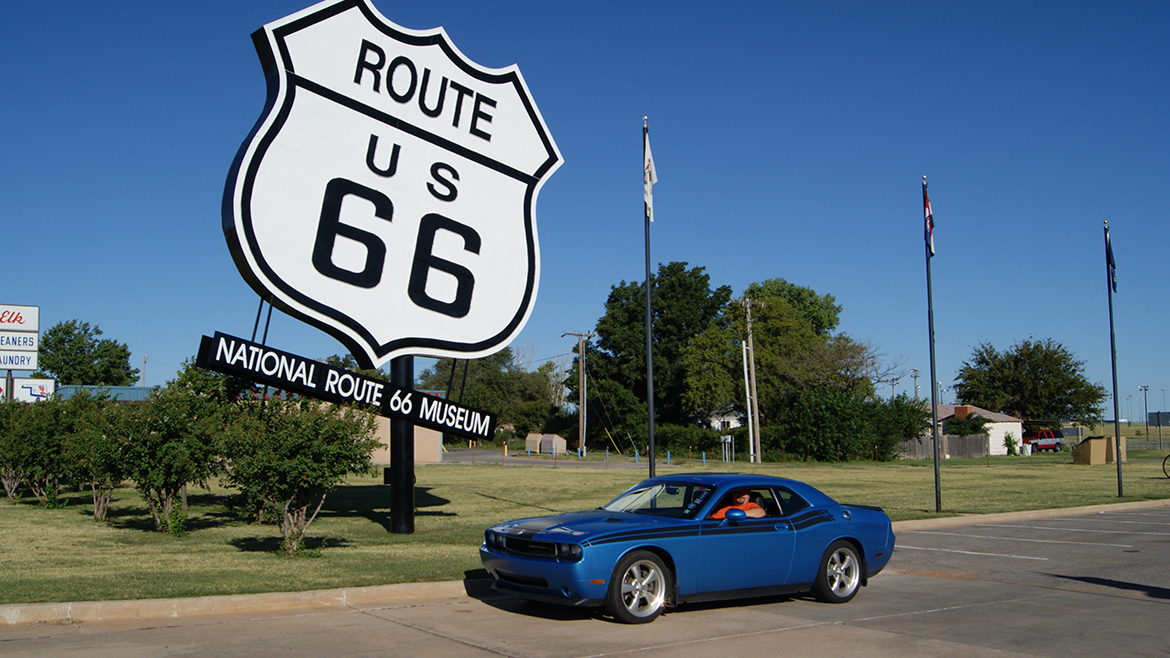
(297, 374)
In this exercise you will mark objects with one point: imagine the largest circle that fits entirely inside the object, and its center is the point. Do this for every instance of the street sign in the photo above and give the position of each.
(388, 193)
(297, 374)
(30, 390)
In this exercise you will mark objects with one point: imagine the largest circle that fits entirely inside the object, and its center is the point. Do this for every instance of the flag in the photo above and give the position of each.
(1112, 264)
(649, 176)
(929, 220)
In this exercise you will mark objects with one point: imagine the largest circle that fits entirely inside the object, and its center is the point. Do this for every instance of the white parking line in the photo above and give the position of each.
(1040, 527)
(948, 550)
(1039, 541)
(1108, 519)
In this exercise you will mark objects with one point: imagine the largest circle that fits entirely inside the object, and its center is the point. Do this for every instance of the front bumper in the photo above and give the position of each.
(545, 580)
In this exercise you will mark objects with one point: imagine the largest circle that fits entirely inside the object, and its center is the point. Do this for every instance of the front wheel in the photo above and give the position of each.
(1166, 466)
(638, 587)
(839, 575)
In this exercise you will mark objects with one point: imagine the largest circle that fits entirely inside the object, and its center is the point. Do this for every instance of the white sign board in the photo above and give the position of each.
(20, 318)
(388, 194)
(13, 360)
(29, 390)
(19, 341)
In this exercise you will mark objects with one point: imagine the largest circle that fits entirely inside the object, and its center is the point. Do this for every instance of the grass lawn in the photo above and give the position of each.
(57, 555)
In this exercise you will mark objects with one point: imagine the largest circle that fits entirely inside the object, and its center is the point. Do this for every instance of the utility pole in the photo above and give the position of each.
(580, 387)
(755, 400)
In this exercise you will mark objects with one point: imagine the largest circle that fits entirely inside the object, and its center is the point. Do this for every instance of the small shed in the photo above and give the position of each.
(551, 444)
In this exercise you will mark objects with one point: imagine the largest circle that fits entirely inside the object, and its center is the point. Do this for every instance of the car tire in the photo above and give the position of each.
(839, 576)
(638, 588)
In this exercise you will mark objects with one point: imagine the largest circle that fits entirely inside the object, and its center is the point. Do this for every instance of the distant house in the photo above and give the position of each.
(724, 422)
(999, 427)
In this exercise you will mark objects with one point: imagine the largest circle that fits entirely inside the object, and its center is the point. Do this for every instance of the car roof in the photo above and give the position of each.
(724, 481)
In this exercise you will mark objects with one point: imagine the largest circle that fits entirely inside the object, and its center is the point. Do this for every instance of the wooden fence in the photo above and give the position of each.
(950, 445)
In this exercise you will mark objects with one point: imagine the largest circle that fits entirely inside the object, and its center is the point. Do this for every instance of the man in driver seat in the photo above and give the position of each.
(741, 500)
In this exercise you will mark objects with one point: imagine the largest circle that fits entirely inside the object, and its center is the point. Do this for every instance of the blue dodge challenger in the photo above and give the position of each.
(681, 538)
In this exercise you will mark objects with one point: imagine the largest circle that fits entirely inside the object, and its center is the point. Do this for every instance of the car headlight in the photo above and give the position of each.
(568, 552)
(492, 540)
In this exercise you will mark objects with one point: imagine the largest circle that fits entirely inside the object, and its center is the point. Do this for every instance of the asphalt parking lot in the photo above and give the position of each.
(1033, 584)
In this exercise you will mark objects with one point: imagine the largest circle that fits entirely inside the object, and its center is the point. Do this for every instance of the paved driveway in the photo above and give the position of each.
(1060, 586)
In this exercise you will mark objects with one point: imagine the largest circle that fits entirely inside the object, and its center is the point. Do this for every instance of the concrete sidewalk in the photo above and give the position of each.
(401, 594)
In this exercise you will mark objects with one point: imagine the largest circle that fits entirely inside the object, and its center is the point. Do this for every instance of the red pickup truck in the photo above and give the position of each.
(1045, 440)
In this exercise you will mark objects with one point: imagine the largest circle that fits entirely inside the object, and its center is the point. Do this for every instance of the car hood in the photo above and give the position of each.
(579, 527)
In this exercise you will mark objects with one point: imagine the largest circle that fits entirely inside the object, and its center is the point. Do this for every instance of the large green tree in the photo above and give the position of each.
(684, 307)
(71, 352)
(1033, 380)
(819, 311)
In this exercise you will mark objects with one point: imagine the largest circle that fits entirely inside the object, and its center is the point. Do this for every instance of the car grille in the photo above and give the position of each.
(528, 581)
(523, 546)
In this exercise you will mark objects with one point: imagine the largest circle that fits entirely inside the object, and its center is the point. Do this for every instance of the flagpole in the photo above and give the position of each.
(649, 321)
(930, 316)
(1110, 283)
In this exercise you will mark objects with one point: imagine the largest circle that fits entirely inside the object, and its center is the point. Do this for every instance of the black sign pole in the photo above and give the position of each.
(402, 454)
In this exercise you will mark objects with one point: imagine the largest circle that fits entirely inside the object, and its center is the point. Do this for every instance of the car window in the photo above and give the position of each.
(681, 501)
(790, 503)
(761, 496)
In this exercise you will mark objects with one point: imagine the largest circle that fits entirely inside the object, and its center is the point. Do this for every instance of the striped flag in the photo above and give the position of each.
(929, 220)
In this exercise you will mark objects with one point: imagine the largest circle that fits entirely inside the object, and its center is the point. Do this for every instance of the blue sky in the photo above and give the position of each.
(790, 140)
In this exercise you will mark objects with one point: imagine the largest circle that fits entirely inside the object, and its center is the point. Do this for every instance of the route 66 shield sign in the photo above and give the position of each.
(387, 195)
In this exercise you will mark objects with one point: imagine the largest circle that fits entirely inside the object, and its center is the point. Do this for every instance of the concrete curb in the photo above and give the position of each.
(1029, 515)
(330, 599)
(403, 594)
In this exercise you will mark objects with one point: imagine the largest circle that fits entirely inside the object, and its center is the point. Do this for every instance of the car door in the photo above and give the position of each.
(745, 554)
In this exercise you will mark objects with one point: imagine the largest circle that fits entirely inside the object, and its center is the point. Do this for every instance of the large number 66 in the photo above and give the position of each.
(330, 227)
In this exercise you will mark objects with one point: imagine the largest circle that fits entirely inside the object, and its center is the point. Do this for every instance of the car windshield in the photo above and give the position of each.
(680, 501)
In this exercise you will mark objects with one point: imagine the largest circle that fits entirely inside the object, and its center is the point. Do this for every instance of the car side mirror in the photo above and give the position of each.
(734, 516)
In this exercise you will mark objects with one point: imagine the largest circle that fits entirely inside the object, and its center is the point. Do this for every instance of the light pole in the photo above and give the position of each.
(1146, 408)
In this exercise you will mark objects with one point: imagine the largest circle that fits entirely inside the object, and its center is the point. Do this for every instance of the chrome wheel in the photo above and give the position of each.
(839, 575)
(638, 590)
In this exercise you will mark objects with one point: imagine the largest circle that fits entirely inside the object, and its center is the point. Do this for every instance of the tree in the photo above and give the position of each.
(170, 444)
(819, 311)
(347, 362)
(218, 387)
(11, 452)
(496, 383)
(291, 454)
(38, 436)
(684, 307)
(94, 443)
(71, 353)
(1033, 380)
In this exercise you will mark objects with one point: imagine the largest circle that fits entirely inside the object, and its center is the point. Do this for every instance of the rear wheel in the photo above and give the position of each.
(839, 575)
(638, 587)
(1166, 466)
